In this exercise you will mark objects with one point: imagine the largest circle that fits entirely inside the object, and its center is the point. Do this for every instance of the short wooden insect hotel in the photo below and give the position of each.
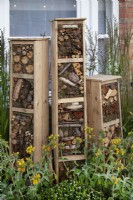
(68, 92)
(103, 106)
(28, 94)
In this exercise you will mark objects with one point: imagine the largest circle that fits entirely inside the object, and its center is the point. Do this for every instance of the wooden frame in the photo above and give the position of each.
(58, 100)
(38, 114)
(104, 105)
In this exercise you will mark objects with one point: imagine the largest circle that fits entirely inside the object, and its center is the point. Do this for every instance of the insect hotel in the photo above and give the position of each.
(68, 92)
(28, 94)
(104, 106)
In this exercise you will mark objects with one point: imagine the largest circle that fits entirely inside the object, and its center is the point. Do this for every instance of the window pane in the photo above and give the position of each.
(101, 17)
(31, 17)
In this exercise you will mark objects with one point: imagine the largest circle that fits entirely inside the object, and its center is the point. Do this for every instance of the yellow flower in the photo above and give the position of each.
(122, 152)
(28, 159)
(78, 140)
(46, 148)
(53, 137)
(132, 146)
(21, 165)
(90, 136)
(35, 182)
(120, 168)
(20, 162)
(37, 176)
(116, 141)
(30, 149)
(117, 151)
(115, 180)
(54, 146)
(36, 179)
(104, 140)
(21, 169)
(130, 133)
(98, 152)
(88, 130)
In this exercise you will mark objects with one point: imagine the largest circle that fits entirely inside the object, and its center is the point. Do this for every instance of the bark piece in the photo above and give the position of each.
(17, 89)
(67, 81)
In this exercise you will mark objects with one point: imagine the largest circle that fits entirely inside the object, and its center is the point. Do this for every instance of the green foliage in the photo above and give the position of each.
(4, 88)
(109, 169)
(21, 178)
(72, 190)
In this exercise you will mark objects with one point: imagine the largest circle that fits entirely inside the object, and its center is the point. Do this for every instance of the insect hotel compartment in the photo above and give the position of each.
(70, 41)
(23, 93)
(71, 80)
(71, 140)
(23, 58)
(71, 112)
(110, 102)
(28, 94)
(22, 132)
(104, 106)
(68, 89)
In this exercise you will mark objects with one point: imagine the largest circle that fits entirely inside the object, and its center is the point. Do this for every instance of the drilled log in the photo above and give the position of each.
(17, 68)
(24, 60)
(16, 58)
(29, 69)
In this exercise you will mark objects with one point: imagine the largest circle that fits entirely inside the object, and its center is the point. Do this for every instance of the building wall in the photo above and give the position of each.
(126, 21)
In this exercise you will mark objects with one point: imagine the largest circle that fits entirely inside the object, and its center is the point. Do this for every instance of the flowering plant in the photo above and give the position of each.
(108, 169)
(21, 178)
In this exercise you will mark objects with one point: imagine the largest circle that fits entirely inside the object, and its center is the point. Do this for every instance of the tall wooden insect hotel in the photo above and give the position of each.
(104, 106)
(68, 92)
(28, 94)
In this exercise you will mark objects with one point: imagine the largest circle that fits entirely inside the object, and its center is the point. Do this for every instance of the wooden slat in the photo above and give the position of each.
(70, 19)
(27, 39)
(69, 125)
(71, 100)
(120, 108)
(103, 78)
(69, 60)
(11, 90)
(71, 158)
(55, 93)
(22, 110)
(111, 123)
(26, 76)
(45, 103)
(84, 73)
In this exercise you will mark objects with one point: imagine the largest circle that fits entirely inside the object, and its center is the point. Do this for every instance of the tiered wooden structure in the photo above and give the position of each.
(68, 92)
(28, 94)
(104, 106)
